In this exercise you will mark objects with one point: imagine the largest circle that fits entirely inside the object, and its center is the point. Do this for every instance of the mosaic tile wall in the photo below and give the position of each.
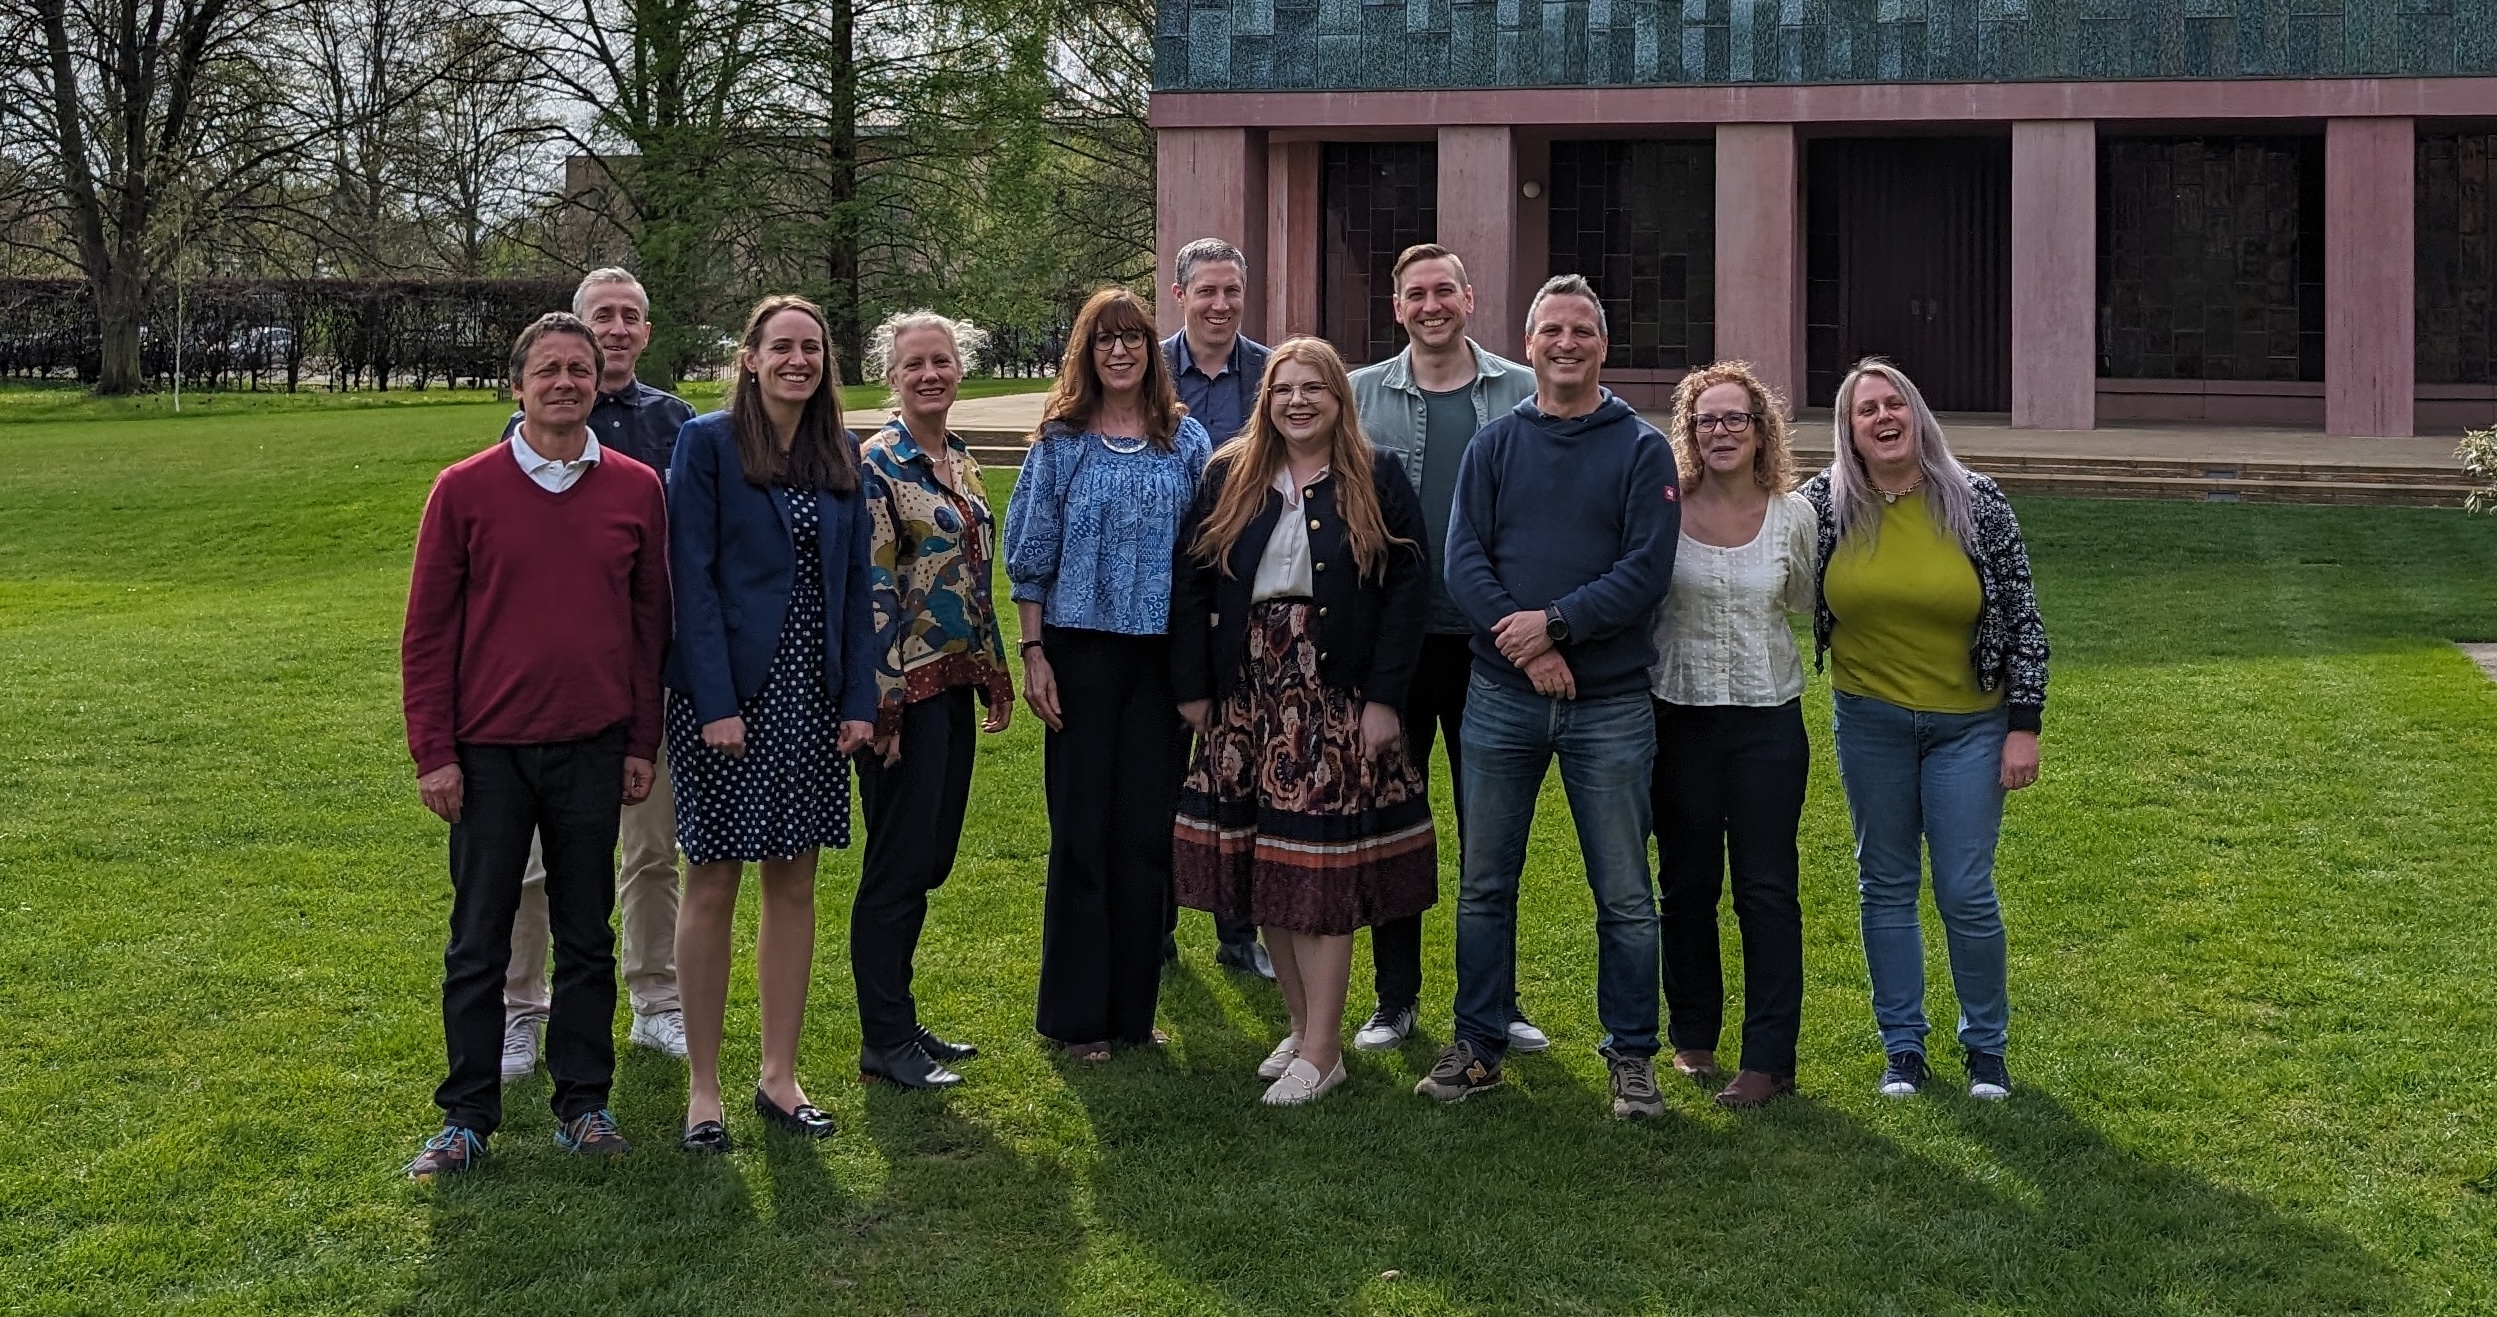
(2457, 259)
(2211, 258)
(1376, 199)
(1223, 45)
(1639, 220)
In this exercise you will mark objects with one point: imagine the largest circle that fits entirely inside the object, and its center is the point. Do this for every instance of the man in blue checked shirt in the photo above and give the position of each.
(1217, 370)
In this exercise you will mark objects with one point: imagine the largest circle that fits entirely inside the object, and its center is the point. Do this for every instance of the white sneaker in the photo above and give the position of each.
(1301, 1084)
(661, 1031)
(1281, 1058)
(520, 1047)
(1525, 1037)
(1385, 1030)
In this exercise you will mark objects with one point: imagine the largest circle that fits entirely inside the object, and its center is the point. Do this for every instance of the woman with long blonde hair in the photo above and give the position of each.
(1299, 597)
(1731, 756)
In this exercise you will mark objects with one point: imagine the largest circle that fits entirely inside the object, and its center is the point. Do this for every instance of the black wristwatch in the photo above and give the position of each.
(1027, 647)
(1555, 626)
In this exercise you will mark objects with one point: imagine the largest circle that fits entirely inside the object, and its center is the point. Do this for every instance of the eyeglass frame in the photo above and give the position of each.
(1131, 339)
(1701, 422)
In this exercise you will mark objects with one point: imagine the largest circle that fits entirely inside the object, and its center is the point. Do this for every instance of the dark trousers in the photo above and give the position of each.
(1113, 786)
(1729, 784)
(914, 822)
(569, 796)
(1434, 703)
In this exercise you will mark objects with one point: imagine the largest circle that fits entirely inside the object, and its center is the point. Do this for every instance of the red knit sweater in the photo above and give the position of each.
(536, 617)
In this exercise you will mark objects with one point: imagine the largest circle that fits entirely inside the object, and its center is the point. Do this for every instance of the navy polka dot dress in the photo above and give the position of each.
(791, 791)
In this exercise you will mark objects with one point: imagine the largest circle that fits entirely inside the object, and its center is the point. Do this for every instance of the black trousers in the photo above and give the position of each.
(914, 823)
(1729, 784)
(1113, 786)
(1434, 703)
(569, 795)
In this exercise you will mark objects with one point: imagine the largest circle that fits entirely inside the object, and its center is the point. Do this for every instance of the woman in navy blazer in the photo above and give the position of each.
(771, 684)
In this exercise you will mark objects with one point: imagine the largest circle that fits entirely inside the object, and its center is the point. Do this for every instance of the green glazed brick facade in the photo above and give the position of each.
(1331, 45)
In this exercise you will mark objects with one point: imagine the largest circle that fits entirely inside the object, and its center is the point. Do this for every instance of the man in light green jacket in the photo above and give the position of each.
(1424, 405)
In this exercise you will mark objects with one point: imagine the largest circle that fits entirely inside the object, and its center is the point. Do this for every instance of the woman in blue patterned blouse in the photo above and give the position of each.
(1089, 532)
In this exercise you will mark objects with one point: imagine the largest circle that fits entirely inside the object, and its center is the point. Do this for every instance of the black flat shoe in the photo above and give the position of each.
(707, 1138)
(905, 1066)
(943, 1052)
(807, 1122)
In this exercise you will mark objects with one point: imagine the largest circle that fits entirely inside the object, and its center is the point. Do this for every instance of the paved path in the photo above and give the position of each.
(1007, 419)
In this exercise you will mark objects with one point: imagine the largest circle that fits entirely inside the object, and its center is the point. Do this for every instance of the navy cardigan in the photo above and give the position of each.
(1368, 629)
(732, 561)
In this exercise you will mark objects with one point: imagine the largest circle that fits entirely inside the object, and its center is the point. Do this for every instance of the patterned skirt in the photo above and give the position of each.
(1281, 820)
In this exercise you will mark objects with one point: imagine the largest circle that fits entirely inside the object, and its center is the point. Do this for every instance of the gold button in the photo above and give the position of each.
(1320, 567)
(1322, 612)
(1313, 523)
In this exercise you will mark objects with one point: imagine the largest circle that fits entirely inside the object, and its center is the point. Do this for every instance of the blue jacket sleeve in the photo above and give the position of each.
(1627, 594)
(693, 560)
(1035, 522)
(858, 617)
(1472, 583)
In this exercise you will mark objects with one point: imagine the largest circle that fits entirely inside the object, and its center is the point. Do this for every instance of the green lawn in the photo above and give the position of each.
(2252, 935)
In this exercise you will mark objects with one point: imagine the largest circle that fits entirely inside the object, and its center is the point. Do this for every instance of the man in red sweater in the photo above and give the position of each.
(536, 622)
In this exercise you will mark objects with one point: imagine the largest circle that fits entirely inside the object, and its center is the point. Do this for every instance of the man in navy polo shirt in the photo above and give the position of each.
(634, 419)
(1218, 371)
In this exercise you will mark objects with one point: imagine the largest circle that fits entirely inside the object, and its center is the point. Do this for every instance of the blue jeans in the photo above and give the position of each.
(1934, 777)
(1606, 747)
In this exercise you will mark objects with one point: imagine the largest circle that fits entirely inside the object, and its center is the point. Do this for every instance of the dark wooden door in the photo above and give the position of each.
(1910, 259)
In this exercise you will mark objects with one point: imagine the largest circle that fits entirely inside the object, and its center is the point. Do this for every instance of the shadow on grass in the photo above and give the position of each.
(960, 1223)
(1534, 1200)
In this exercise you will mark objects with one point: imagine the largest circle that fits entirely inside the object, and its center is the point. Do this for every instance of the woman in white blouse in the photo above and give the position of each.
(1731, 756)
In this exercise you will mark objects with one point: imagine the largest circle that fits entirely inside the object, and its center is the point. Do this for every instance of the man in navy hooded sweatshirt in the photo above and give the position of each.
(1560, 548)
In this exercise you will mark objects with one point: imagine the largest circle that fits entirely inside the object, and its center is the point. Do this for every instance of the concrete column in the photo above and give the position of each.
(1209, 183)
(2054, 274)
(1292, 240)
(1759, 277)
(2370, 337)
(1534, 244)
(1478, 221)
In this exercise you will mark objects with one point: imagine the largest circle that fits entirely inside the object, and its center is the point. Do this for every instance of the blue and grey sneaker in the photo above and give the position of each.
(1906, 1075)
(1989, 1080)
(455, 1150)
(592, 1134)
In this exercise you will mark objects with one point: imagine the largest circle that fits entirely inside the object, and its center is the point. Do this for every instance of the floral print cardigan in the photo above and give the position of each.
(934, 550)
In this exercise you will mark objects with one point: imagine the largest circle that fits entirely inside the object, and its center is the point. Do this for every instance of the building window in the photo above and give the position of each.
(1638, 219)
(1379, 198)
(2211, 258)
(2457, 316)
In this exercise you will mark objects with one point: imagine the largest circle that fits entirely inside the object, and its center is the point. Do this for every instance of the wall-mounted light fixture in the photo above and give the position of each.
(1530, 189)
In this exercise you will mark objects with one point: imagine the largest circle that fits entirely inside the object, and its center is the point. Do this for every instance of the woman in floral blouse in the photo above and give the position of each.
(938, 648)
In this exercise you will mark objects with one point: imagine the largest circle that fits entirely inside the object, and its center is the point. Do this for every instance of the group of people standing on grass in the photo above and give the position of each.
(1253, 588)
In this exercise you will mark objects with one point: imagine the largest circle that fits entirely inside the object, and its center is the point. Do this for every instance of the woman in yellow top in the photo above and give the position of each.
(1937, 657)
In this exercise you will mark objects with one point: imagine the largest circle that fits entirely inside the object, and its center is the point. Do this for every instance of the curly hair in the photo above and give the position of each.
(1772, 462)
(970, 345)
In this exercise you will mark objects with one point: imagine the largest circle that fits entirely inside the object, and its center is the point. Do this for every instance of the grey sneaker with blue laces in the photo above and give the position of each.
(592, 1134)
(454, 1151)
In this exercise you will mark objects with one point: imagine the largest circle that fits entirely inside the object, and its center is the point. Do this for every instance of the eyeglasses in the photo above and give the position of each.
(1731, 422)
(1130, 339)
(1312, 390)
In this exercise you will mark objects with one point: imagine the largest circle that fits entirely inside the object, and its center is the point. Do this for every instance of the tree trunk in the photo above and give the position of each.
(120, 304)
(841, 303)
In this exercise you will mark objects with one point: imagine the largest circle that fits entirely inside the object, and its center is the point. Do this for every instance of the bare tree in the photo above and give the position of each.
(482, 157)
(147, 121)
(367, 62)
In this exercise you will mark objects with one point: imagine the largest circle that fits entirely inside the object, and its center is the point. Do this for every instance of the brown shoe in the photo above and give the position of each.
(1754, 1088)
(1696, 1063)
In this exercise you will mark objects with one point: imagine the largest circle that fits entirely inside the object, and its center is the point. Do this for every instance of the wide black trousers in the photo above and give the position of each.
(1434, 703)
(1729, 784)
(1113, 776)
(914, 823)
(569, 795)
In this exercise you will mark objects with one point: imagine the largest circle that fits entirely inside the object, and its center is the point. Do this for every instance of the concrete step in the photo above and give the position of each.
(2002, 464)
(2367, 493)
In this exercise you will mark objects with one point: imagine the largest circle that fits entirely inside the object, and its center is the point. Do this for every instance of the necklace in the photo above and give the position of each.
(1889, 497)
(1122, 445)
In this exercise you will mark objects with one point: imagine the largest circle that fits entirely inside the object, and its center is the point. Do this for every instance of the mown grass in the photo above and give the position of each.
(30, 402)
(2252, 938)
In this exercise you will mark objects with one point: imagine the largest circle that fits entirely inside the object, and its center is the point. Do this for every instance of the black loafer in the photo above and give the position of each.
(943, 1052)
(707, 1138)
(906, 1066)
(807, 1122)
